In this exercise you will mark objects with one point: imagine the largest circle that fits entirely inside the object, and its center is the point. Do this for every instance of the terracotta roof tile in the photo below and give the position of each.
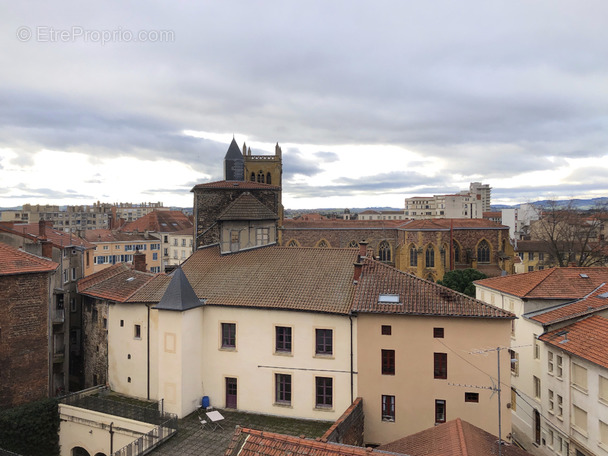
(415, 296)
(341, 224)
(247, 207)
(553, 283)
(58, 238)
(454, 438)
(457, 224)
(116, 283)
(250, 442)
(103, 235)
(586, 339)
(241, 185)
(161, 222)
(594, 302)
(15, 261)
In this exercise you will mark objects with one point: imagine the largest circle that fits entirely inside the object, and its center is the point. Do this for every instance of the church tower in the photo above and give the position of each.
(265, 169)
(234, 164)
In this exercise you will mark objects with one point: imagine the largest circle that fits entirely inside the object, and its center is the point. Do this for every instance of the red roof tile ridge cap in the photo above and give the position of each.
(463, 444)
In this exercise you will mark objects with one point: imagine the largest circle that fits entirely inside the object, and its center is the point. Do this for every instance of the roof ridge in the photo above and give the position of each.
(463, 444)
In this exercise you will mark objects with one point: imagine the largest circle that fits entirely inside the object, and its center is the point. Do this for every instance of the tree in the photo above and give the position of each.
(462, 280)
(572, 236)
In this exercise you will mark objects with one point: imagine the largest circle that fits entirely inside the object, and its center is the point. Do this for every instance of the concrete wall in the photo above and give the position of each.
(413, 384)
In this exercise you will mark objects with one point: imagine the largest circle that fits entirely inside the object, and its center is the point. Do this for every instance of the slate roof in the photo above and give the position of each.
(454, 438)
(161, 222)
(59, 239)
(14, 261)
(532, 246)
(594, 302)
(310, 279)
(116, 283)
(250, 442)
(240, 185)
(553, 283)
(416, 296)
(585, 338)
(233, 151)
(247, 207)
(179, 295)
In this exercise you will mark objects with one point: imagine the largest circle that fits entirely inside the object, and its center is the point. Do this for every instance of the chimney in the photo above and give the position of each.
(358, 269)
(139, 261)
(47, 248)
(42, 229)
(362, 249)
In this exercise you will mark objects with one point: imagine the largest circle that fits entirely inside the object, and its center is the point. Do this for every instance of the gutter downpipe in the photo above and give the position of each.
(148, 353)
(350, 317)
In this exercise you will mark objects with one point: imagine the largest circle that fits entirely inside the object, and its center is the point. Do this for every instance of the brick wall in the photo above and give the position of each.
(348, 429)
(24, 343)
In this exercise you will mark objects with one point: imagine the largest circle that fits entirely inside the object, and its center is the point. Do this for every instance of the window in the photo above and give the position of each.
(430, 257)
(228, 335)
(166, 239)
(603, 389)
(604, 433)
(537, 390)
(530, 256)
(183, 243)
(73, 307)
(456, 252)
(483, 252)
(579, 376)
(324, 342)
(413, 256)
(234, 237)
(122, 323)
(514, 357)
(536, 347)
(262, 236)
(388, 408)
(440, 365)
(580, 419)
(386, 330)
(560, 406)
(283, 388)
(471, 397)
(323, 392)
(530, 268)
(384, 251)
(175, 242)
(137, 331)
(438, 333)
(65, 276)
(550, 362)
(283, 339)
(559, 366)
(541, 256)
(513, 399)
(439, 411)
(388, 362)
(551, 401)
(155, 256)
(73, 273)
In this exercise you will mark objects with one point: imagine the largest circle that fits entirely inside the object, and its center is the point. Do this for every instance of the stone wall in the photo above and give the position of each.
(348, 429)
(24, 343)
(95, 342)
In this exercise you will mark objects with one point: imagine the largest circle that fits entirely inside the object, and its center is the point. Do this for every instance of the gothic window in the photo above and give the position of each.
(430, 257)
(384, 251)
(483, 252)
(323, 243)
(261, 177)
(252, 177)
(413, 256)
(456, 248)
(444, 252)
(430, 278)
(353, 244)
(268, 179)
(292, 243)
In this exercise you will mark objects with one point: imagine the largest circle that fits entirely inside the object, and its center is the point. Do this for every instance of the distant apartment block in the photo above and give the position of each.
(371, 214)
(467, 204)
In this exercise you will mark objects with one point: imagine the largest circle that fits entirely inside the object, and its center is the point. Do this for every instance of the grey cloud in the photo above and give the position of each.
(327, 157)
(295, 163)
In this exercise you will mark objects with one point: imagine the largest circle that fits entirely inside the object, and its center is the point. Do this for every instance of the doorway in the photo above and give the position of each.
(231, 392)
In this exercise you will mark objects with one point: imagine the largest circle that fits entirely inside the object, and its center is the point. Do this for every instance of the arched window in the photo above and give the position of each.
(384, 251)
(323, 243)
(353, 244)
(430, 257)
(252, 177)
(483, 252)
(268, 179)
(261, 177)
(292, 243)
(413, 256)
(444, 253)
(430, 278)
(456, 248)
(79, 451)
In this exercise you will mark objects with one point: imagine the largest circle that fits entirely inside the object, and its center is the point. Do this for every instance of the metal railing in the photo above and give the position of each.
(151, 440)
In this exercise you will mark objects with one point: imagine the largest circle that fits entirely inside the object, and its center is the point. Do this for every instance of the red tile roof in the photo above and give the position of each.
(14, 261)
(591, 303)
(159, 221)
(415, 296)
(250, 442)
(312, 279)
(59, 239)
(585, 338)
(241, 185)
(532, 246)
(103, 235)
(116, 283)
(553, 283)
(457, 224)
(454, 438)
(341, 224)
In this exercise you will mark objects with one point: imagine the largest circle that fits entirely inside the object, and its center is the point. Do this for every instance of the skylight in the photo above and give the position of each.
(130, 279)
(388, 299)
(584, 276)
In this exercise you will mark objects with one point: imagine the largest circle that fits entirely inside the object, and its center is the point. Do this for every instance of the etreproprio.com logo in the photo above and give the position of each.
(48, 34)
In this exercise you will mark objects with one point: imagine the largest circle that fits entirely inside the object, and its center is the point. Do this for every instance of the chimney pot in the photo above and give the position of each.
(362, 249)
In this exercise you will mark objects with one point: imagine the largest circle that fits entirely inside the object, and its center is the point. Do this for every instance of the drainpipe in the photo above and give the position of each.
(351, 360)
(148, 352)
(111, 438)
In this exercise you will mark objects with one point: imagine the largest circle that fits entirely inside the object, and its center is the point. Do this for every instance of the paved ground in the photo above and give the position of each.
(194, 440)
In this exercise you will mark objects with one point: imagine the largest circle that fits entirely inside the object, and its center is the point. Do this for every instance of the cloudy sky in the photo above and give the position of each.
(371, 102)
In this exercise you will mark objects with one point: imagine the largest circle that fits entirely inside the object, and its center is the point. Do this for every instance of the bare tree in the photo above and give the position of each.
(572, 236)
